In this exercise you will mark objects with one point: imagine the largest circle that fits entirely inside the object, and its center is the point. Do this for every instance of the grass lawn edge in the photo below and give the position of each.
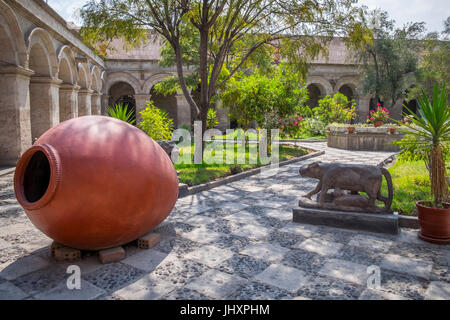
(187, 191)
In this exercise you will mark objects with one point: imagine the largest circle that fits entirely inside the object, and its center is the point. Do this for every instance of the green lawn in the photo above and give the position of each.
(193, 174)
(254, 136)
(411, 183)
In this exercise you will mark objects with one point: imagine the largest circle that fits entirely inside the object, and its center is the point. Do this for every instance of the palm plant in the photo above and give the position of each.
(120, 111)
(431, 132)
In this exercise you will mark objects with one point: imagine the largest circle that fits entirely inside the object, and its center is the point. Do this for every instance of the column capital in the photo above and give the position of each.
(85, 91)
(46, 80)
(69, 87)
(16, 70)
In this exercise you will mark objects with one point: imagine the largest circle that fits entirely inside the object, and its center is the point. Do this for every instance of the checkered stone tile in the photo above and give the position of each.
(265, 251)
(202, 235)
(319, 246)
(371, 242)
(415, 267)
(209, 255)
(243, 266)
(216, 284)
(346, 271)
(252, 232)
(283, 277)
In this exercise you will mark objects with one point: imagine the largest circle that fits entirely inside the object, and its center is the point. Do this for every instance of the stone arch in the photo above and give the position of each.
(348, 86)
(67, 66)
(314, 94)
(41, 53)
(96, 85)
(96, 79)
(153, 79)
(68, 90)
(44, 86)
(84, 80)
(124, 93)
(123, 77)
(323, 84)
(350, 82)
(13, 49)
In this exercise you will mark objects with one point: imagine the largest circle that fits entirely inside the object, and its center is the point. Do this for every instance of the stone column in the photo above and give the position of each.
(397, 110)
(183, 111)
(44, 104)
(15, 129)
(105, 101)
(96, 106)
(84, 102)
(141, 104)
(362, 110)
(68, 101)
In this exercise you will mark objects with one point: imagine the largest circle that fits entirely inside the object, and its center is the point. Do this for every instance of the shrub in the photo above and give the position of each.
(211, 119)
(156, 123)
(291, 126)
(315, 126)
(335, 108)
(120, 111)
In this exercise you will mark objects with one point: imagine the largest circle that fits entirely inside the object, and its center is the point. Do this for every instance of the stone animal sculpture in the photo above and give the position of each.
(95, 182)
(347, 181)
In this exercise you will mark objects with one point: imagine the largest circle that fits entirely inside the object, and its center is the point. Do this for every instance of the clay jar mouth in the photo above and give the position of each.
(37, 176)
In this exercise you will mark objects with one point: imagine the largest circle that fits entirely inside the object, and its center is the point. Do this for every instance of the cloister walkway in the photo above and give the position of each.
(236, 241)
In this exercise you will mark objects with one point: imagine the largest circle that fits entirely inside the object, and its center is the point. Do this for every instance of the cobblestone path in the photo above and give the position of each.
(232, 242)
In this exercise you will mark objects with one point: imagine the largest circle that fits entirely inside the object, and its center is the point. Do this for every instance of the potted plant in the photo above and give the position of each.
(378, 117)
(429, 132)
(351, 129)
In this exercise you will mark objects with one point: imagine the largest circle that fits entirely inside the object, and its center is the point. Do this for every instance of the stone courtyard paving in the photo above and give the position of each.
(232, 242)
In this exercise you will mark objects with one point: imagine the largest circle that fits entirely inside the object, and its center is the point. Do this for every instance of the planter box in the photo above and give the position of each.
(364, 139)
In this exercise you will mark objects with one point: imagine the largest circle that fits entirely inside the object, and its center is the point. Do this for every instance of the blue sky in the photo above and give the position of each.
(433, 12)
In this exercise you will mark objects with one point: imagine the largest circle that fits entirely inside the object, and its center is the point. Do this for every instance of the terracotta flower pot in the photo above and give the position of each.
(377, 124)
(391, 130)
(351, 129)
(434, 222)
(95, 182)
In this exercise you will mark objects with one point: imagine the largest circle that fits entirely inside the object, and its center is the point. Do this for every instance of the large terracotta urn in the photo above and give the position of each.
(95, 182)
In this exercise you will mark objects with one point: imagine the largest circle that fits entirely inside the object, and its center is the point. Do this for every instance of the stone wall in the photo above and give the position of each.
(364, 139)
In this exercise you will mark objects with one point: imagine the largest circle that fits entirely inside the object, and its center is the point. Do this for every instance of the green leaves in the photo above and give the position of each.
(121, 112)
(156, 123)
(430, 134)
(211, 119)
(335, 108)
(265, 98)
(432, 125)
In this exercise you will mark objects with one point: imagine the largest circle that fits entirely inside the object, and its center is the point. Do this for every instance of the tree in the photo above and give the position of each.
(435, 65)
(265, 99)
(227, 32)
(390, 61)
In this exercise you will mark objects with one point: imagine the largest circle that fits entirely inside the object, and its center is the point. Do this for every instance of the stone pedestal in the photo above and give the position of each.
(372, 222)
(84, 102)
(68, 101)
(15, 129)
(44, 104)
